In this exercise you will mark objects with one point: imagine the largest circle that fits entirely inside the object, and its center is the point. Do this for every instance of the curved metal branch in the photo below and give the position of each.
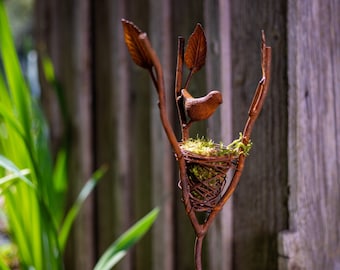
(161, 94)
(198, 251)
(159, 82)
(253, 113)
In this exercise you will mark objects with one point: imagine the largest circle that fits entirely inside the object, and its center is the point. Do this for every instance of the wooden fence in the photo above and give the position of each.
(285, 213)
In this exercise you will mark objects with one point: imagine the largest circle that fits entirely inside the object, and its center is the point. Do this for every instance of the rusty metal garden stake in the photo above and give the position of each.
(207, 195)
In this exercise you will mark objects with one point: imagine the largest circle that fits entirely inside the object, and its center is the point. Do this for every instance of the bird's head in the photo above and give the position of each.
(215, 97)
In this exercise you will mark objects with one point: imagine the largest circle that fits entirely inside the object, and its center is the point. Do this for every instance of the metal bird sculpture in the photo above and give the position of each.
(192, 109)
(201, 108)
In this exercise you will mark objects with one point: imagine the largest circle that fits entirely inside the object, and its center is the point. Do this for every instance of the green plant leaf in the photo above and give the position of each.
(49, 73)
(14, 77)
(60, 186)
(8, 165)
(30, 201)
(9, 178)
(3, 265)
(74, 210)
(119, 248)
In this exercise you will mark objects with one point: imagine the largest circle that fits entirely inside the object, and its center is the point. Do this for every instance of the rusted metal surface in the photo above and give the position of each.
(192, 109)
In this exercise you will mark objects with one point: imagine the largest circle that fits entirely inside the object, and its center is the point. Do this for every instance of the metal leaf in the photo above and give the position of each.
(136, 49)
(196, 50)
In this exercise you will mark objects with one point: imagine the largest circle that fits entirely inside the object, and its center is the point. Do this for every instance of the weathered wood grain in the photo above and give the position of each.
(114, 119)
(314, 140)
(260, 200)
(71, 55)
(124, 138)
(164, 175)
(113, 127)
(218, 76)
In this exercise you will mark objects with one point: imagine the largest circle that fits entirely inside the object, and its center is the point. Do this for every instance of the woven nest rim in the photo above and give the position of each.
(190, 154)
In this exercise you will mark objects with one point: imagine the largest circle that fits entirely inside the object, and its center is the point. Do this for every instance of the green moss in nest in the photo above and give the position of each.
(205, 147)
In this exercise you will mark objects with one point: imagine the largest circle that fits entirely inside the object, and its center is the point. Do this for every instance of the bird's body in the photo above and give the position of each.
(201, 108)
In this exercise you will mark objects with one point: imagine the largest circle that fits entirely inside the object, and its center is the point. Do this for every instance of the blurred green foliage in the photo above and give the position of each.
(32, 185)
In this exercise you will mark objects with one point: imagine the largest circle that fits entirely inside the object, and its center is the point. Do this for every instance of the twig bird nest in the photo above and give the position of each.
(207, 164)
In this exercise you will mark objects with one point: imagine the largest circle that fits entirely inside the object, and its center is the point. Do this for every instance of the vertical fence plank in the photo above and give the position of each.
(163, 172)
(261, 197)
(123, 139)
(226, 219)
(111, 214)
(218, 73)
(81, 162)
(314, 141)
(73, 70)
(185, 16)
(141, 150)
